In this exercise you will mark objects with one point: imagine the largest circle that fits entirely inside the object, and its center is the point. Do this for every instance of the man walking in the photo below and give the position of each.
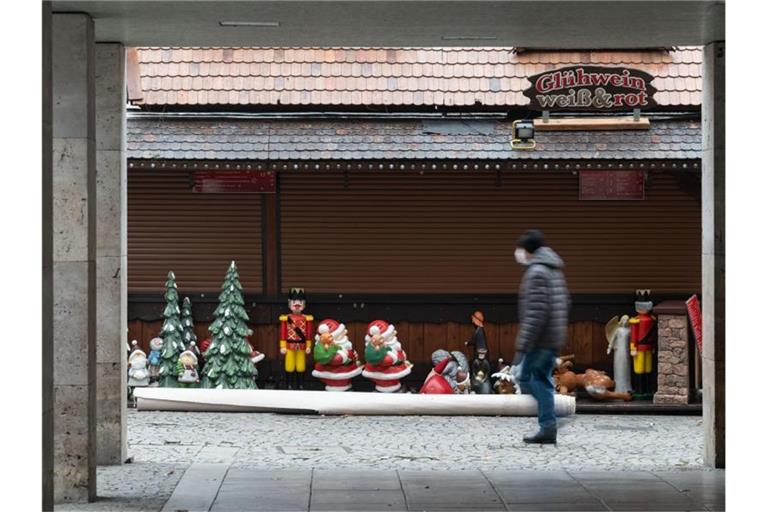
(543, 321)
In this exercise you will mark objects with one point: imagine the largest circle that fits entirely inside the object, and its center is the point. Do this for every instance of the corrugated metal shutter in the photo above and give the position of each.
(196, 235)
(456, 233)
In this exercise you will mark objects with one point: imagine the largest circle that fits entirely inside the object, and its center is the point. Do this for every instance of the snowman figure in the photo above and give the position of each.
(138, 372)
(156, 349)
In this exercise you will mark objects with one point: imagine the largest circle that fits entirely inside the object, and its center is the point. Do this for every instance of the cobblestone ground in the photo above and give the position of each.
(627, 442)
(164, 444)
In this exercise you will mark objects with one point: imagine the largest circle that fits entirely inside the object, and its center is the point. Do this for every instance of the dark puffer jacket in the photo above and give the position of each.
(543, 303)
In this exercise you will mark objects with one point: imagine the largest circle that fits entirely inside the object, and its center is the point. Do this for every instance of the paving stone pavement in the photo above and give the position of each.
(164, 444)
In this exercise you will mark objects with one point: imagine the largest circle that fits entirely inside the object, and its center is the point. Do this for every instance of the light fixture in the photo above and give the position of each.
(523, 135)
(249, 23)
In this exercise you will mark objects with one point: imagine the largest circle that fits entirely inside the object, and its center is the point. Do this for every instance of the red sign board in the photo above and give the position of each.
(611, 185)
(234, 182)
(694, 315)
(591, 88)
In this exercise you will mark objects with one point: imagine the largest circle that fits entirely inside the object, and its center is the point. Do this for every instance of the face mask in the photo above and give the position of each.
(520, 256)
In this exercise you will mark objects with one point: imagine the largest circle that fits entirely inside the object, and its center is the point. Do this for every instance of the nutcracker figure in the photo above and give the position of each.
(641, 346)
(335, 359)
(295, 341)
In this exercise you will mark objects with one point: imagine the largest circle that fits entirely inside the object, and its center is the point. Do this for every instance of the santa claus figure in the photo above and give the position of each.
(449, 375)
(255, 358)
(335, 359)
(386, 362)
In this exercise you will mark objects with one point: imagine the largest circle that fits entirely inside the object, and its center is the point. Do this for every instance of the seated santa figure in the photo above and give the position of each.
(385, 360)
(335, 359)
(449, 374)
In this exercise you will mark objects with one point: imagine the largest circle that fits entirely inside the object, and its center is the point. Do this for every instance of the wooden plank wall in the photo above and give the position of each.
(585, 339)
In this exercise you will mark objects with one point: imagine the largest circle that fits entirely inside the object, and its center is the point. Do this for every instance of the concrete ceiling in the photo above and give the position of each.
(526, 23)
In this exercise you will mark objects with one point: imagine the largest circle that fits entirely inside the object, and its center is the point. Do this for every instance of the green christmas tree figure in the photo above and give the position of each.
(171, 334)
(227, 360)
(187, 324)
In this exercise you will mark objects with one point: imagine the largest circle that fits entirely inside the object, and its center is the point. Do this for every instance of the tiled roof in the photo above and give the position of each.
(387, 76)
(323, 139)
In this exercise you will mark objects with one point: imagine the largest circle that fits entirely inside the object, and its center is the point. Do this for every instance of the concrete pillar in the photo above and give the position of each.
(111, 253)
(47, 331)
(74, 276)
(713, 253)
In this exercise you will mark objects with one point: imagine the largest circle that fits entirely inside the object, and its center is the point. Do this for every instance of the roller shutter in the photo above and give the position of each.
(455, 233)
(196, 235)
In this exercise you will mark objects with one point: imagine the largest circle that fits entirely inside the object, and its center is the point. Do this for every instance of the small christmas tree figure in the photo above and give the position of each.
(171, 334)
(227, 360)
(187, 324)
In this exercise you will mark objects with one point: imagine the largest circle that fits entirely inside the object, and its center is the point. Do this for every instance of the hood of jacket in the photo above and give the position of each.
(548, 257)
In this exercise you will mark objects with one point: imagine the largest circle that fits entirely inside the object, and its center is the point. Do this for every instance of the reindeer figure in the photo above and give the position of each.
(597, 383)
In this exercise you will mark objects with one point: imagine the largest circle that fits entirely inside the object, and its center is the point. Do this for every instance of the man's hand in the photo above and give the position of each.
(283, 351)
(308, 350)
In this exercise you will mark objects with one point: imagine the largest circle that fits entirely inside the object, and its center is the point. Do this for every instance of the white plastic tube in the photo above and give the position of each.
(353, 403)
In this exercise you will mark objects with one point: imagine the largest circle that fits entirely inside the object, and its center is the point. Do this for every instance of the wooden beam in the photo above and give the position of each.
(133, 76)
(270, 252)
(592, 124)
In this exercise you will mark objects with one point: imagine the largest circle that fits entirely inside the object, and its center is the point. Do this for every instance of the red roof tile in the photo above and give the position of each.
(386, 76)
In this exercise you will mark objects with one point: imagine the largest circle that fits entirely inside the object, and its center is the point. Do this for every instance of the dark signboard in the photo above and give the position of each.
(234, 182)
(591, 88)
(611, 185)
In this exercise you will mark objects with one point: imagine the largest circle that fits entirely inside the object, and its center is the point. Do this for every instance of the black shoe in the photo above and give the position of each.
(543, 436)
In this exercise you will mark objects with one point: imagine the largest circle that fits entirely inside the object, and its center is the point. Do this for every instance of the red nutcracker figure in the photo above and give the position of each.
(641, 345)
(295, 341)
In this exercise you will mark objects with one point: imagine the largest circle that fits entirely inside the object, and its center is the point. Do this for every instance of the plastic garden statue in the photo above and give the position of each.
(138, 373)
(385, 360)
(335, 359)
(449, 374)
(642, 341)
(186, 368)
(617, 332)
(188, 325)
(228, 358)
(295, 338)
(480, 366)
(156, 350)
(171, 334)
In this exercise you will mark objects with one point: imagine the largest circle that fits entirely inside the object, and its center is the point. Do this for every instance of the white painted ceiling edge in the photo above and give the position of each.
(523, 23)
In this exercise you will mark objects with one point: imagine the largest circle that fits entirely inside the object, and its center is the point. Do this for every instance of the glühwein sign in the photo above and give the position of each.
(592, 88)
